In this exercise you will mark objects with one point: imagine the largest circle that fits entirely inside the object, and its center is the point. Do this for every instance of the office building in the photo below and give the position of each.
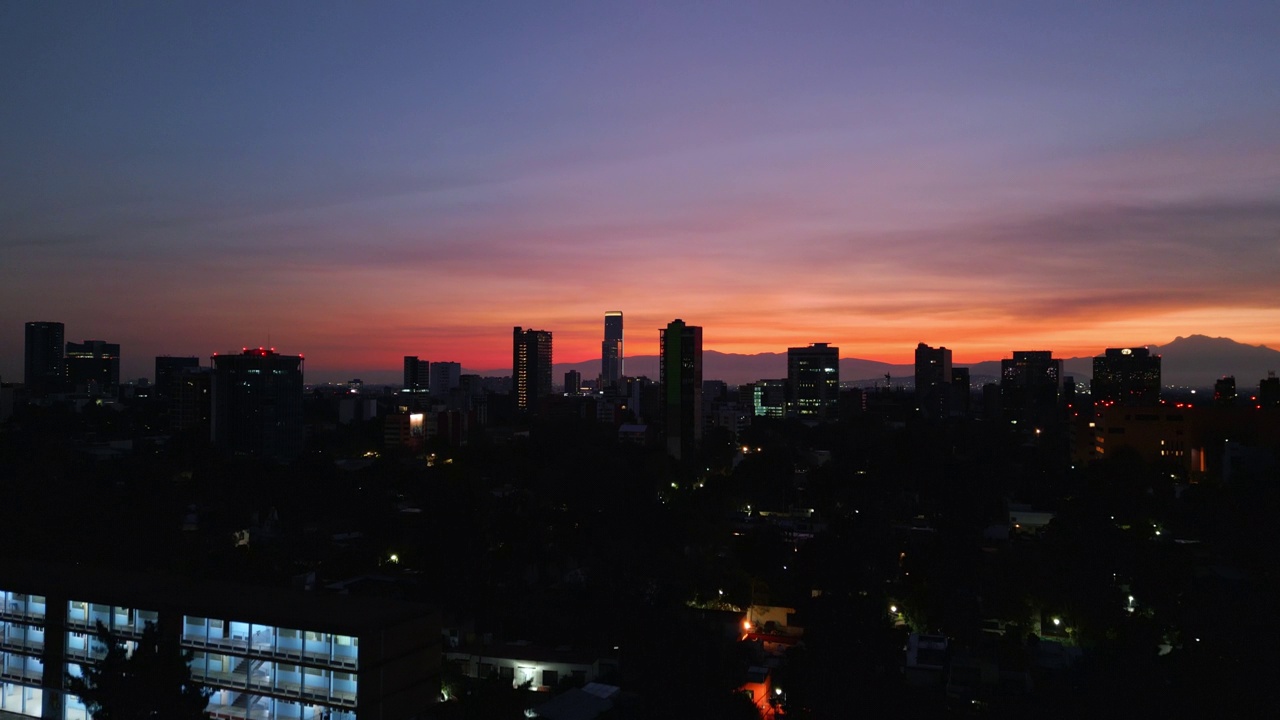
(765, 398)
(813, 382)
(573, 383)
(169, 373)
(933, 381)
(444, 377)
(93, 367)
(266, 654)
(1030, 386)
(611, 350)
(192, 402)
(530, 368)
(680, 373)
(257, 403)
(1126, 376)
(44, 369)
(417, 374)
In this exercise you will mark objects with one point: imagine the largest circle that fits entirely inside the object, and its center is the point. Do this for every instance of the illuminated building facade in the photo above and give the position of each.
(266, 654)
(1127, 376)
(766, 398)
(611, 350)
(43, 364)
(813, 381)
(256, 400)
(530, 367)
(680, 374)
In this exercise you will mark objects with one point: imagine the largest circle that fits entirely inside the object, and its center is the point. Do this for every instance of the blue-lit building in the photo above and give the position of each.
(266, 654)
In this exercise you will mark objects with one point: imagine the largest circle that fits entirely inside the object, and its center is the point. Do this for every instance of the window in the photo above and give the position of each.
(550, 678)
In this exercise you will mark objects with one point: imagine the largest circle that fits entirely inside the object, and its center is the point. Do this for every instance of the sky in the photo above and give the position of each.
(357, 182)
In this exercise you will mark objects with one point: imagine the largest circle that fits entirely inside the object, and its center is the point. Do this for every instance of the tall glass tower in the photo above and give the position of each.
(680, 372)
(611, 354)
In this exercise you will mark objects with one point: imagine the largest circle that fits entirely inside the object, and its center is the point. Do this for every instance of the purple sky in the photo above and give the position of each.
(362, 181)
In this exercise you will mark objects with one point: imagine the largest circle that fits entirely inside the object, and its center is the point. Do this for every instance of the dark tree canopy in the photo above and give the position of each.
(152, 681)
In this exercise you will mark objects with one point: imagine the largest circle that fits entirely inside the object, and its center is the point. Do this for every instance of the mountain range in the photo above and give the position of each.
(1194, 361)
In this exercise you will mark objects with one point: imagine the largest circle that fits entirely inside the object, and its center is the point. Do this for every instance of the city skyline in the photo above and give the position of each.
(362, 183)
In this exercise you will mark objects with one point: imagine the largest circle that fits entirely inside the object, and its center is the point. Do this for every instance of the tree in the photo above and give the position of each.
(150, 680)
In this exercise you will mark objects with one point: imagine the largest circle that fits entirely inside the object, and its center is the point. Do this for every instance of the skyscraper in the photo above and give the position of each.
(417, 374)
(1128, 376)
(680, 372)
(933, 380)
(93, 366)
(257, 403)
(611, 350)
(813, 381)
(530, 367)
(43, 365)
(1030, 385)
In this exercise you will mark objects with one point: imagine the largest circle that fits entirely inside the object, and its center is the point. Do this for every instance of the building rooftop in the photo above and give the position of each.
(345, 614)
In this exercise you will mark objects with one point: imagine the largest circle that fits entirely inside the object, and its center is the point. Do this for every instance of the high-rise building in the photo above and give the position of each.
(417, 374)
(530, 367)
(43, 365)
(257, 403)
(813, 381)
(611, 350)
(959, 392)
(93, 366)
(680, 373)
(933, 381)
(1127, 376)
(444, 377)
(573, 383)
(1224, 390)
(1269, 391)
(169, 373)
(1030, 385)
